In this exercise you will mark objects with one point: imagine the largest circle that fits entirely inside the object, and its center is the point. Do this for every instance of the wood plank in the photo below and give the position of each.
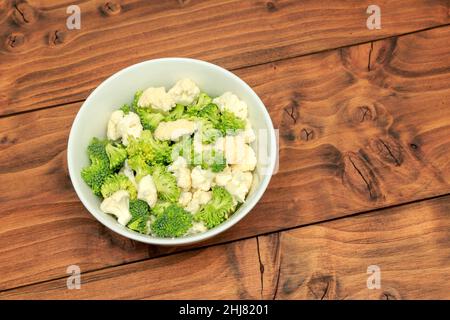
(379, 138)
(44, 64)
(326, 261)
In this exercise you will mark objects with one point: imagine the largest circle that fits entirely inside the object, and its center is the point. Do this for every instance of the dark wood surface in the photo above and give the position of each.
(363, 124)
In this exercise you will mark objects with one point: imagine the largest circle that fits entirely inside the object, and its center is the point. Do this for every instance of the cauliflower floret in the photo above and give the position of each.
(201, 179)
(231, 102)
(184, 92)
(198, 198)
(240, 184)
(147, 190)
(197, 227)
(231, 146)
(248, 135)
(118, 204)
(222, 178)
(157, 98)
(247, 161)
(185, 198)
(130, 125)
(173, 130)
(113, 132)
(180, 170)
(128, 172)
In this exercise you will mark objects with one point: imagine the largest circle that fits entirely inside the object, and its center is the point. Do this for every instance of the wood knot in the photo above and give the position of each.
(322, 287)
(390, 294)
(271, 7)
(359, 177)
(111, 8)
(23, 14)
(56, 37)
(389, 152)
(414, 146)
(307, 134)
(14, 41)
(364, 113)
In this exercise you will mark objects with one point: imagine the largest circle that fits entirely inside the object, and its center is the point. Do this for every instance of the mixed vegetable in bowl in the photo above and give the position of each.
(173, 163)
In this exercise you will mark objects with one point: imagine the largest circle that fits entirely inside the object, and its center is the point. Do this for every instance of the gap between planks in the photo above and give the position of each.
(256, 237)
(255, 65)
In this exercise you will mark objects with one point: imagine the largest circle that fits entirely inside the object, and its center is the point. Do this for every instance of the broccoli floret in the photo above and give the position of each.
(202, 101)
(176, 113)
(97, 150)
(137, 96)
(149, 119)
(229, 123)
(208, 133)
(140, 211)
(217, 209)
(210, 112)
(95, 175)
(151, 150)
(117, 154)
(159, 207)
(116, 182)
(166, 184)
(214, 160)
(173, 222)
(183, 148)
(126, 108)
(139, 166)
(99, 170)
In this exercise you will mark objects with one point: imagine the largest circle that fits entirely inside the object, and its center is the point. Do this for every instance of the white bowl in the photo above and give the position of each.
(119, 89)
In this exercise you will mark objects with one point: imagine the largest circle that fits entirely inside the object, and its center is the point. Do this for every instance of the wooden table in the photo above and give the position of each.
(364, 134)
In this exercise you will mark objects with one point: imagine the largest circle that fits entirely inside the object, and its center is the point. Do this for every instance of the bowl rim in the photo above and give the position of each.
(103, 219)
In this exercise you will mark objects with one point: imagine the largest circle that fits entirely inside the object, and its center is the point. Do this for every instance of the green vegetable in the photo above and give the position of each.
(116, 182)
(173, 222)
(117, 154)
(160, 206)
(139, 166)
(140, 213)
(126, 108)
(202, 101)
(99, 169)
(149, 119)
(229, 123)
(176, 113)
(210, 112)
(137, 96)
(166, 184)
(217, 209)
(208, 133)
(95, 175)
(214, 160)
(151, 150)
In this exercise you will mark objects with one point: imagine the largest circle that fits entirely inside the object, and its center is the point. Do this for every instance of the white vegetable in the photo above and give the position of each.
(130, 126)
(118, 204)
(184, 92)
(248, 160)
(232, 147)
(128, 172)
(157, 98)
(173, 130)
(197, 227)
(147, 190)
(222, 178)
(185, 198)
(180, 170)
(201, 179)
(113, 132)
(198, 198)
(239, 185)
(229, 101)
(248, 135)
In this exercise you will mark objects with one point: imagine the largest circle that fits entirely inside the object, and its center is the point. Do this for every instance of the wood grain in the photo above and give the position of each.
(325, 261)
(42, 63)
(352, 138)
